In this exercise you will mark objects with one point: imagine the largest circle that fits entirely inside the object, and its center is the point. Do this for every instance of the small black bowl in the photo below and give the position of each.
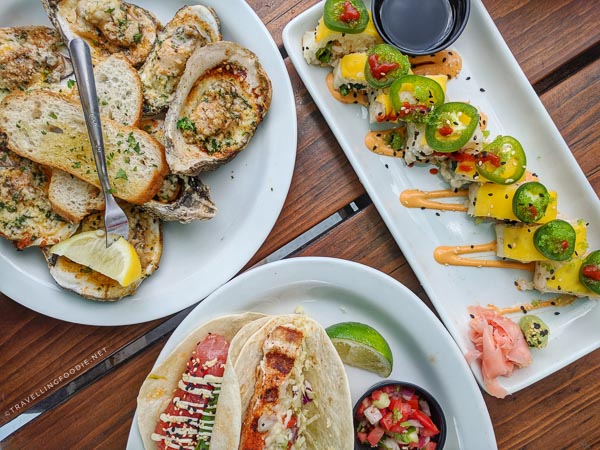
(420, 27)
(437, 415)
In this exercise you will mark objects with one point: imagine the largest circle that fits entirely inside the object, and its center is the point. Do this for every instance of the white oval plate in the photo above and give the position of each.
(513, 108)
(199, 257)
(334, 290)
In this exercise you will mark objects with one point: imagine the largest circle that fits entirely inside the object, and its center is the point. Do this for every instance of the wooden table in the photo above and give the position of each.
(557, 43)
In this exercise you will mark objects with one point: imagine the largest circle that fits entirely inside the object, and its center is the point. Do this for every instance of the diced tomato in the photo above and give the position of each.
(396, 404)
(397, 428)
(291, 422)
(387, 421)
(414, 403)
(376, 394)
(350, 13)
(446, 130)
(360, 411)
(428, 433)
(375, 436)
(430, 446)
(425, 420)
(591, 271)
(380, 70)
(362, 437)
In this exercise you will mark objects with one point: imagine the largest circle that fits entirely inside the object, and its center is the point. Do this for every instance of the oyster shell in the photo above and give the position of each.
(108, 26)
(191, 27)
(181, 198)
(187, 199)
(221, 99)
(30, 57)
(145, 234)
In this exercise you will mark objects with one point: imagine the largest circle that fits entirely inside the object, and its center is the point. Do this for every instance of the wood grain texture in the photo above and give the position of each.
(544, 34)
(37, 351)
(575, 108)
(96, 417)
(323, 180)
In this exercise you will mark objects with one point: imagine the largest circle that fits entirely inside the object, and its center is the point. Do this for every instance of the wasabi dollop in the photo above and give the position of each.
(535, 330)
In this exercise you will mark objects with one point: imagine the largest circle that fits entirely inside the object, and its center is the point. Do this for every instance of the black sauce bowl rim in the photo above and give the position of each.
(450, 39)
(436, 410)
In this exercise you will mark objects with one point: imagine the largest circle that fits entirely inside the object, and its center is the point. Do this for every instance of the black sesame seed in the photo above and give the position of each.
(468, 78)
(471, 316)
(481, 89)
(556, 313)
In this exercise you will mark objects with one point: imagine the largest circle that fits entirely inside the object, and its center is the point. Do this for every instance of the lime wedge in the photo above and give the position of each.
(362, 346)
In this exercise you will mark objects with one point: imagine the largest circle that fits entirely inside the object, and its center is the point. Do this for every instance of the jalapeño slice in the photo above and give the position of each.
(384, 65)
(345, 16)
(451, 126)
(555, 240)
(530, 202)
(414, 97)
(502, 161)
(589, 274)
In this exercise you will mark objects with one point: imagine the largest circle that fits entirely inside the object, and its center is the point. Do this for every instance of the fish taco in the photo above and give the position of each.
(293, 388)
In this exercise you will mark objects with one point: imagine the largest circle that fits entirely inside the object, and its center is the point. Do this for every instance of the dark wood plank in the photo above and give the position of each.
(96, 417)
(39, 355)
(575, 109)
(323, 180)
(544, 34)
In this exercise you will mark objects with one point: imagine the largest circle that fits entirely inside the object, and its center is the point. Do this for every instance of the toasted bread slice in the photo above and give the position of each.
(50, 130)
(73, 198)
(119, 90)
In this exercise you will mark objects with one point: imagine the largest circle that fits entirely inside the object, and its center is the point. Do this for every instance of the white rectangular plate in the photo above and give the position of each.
(499, 88)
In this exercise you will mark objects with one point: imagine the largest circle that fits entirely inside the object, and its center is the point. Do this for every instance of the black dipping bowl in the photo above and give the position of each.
(435, 38)
(437, 415)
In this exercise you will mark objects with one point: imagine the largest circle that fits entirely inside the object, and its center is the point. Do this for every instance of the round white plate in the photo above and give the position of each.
(199, 257)
(334, 290)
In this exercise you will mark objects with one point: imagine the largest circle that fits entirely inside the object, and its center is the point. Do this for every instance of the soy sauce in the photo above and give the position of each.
(417, 24)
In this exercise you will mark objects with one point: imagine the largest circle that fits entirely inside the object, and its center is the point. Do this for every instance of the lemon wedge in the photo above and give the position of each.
(119, 261)
(361, 345)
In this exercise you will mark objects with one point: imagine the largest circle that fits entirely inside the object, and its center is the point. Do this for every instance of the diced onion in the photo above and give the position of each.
(425, 407)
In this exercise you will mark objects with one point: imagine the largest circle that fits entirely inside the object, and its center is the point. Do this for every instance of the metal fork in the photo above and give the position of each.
(115, 220)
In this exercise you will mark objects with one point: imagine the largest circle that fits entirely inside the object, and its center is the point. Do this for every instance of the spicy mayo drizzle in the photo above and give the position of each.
(375, 141)
(451, 255)
(562, 300)
(415, 198)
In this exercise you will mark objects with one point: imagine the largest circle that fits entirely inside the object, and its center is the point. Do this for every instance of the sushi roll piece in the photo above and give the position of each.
(562, 278)
(495, 201)
(518, 241)
(324, 46)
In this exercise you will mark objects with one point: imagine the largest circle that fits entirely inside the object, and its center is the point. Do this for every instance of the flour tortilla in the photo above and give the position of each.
(326, 373)
(156, 391)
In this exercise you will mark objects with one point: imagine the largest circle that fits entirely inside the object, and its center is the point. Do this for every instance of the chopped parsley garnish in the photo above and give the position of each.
(186, 124)
(121, 175)
(109, 10)
(137, 38)
(70, 83)
(53, 115)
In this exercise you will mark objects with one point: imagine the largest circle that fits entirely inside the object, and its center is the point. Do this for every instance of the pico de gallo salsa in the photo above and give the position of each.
(395, 417)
